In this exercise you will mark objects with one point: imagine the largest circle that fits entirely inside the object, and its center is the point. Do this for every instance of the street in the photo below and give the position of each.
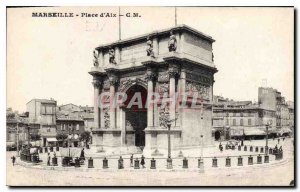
(275, 173)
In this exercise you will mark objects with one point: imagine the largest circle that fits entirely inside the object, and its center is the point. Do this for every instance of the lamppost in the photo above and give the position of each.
(167, 122)
(28, 136)
(17, 139)
(267, 133)
(201, 163)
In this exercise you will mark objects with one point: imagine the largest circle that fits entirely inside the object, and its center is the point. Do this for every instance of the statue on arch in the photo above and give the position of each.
(96, 56)
(111, 54)
(172, 45)
(149, 48)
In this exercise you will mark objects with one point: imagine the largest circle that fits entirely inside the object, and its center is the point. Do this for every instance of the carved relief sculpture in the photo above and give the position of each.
(96, 56)
(149, 48)
(111, 54)
(106, 118)
(202, 90)
(172, 45)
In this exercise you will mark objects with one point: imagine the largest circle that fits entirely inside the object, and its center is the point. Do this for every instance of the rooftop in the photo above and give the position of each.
(158, 32)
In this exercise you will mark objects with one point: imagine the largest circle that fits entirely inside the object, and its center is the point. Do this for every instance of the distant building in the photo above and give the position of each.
(233, 119)
(42, 116)
(71, 127)
(237, 119)
(272, 98)
(15, 124)
(72, 111)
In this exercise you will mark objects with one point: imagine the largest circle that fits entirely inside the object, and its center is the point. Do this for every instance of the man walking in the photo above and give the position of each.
(48, 159)
(13, 160)
(131, 160)
(143, 161)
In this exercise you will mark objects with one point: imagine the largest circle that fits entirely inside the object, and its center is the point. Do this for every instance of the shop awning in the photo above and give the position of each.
(51, 139)
(255, 132)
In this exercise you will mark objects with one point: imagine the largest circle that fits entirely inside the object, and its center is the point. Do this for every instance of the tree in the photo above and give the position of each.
(85, 136)
(35, 137)
(61, 136)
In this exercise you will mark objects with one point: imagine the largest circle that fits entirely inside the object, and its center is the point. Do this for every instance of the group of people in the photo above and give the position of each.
(142, 161)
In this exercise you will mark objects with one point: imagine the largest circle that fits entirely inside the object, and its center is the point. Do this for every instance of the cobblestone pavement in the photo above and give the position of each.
(273, 173)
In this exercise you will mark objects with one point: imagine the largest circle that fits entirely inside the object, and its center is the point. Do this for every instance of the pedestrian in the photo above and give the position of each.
(143, 161)
(278, 140)
(13, 160)
(48, 161)
(283, 138)
(82, 155)
(131, 160)
(54, 154)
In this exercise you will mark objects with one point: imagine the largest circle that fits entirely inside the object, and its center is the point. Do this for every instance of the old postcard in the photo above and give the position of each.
(150, 96)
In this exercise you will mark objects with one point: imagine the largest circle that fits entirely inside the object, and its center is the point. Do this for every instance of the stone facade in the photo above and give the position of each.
(177, 60)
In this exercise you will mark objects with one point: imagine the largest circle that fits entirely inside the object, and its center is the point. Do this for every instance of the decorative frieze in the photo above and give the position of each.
(202, 90)
(163, 76)
(106, 118)
(199, 78)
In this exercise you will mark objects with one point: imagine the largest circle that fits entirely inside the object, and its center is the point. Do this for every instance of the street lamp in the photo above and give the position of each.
(267, 133)
(167, 122)
(28, 136)
(200, 161)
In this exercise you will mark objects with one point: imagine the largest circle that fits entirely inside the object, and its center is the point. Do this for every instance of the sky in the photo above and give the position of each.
(51, 57)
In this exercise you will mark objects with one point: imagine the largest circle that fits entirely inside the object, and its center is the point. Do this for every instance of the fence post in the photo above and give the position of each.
(215, 162)
(240, 161)
(228, 162)
(185, 163)
(54, 161)
(105, 163)
(90, 163)
(250, 160)
(258, 159)
(77, 162)
(153, 166)
(136, 163)
(169, 163)
(266, 159)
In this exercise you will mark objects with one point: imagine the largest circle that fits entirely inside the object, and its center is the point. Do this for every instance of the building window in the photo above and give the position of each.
(249, 121)
(77, 127)
(241, 114)
(234, 122)
(242, 122)
(61, 127)
(48, 130)
(233, 114)
(64, 127)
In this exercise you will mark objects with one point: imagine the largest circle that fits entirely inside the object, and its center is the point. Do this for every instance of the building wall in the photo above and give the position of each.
(267, 98)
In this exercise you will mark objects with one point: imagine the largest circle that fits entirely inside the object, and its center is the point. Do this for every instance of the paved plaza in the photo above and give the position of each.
(274, 172)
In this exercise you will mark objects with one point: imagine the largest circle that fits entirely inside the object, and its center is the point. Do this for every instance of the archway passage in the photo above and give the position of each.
(136, 112)
(217, 135)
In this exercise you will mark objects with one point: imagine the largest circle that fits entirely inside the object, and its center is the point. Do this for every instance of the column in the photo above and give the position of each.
(96, 84)
(117, 55)
(155, 46)
(101, 58)
(173, 72)
(112, 111)
(150, 106)
(182, 93)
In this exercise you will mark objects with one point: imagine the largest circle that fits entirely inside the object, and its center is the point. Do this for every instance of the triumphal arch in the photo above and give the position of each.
(141, 81)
